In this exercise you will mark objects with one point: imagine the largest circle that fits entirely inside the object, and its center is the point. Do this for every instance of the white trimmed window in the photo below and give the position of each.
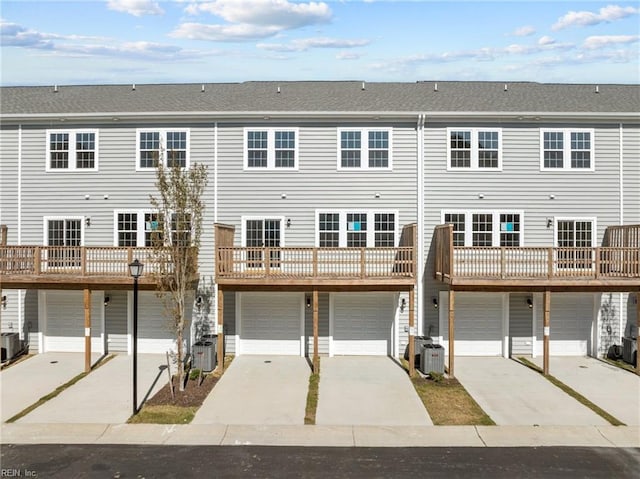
(270, 149)
(566, 149)
(67, 232)
(364, 148)
(578, 235)
(140, 228)
(485, 228)
(474, 149)
(356, 229)
(72, 150)
(169, 145)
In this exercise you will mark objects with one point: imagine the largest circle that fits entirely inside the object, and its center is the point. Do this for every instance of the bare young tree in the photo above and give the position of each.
(177, 228)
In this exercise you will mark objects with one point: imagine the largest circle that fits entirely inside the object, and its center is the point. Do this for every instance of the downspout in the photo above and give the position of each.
(420, 213)
(621, 296)
(20, 291)
(215, 220)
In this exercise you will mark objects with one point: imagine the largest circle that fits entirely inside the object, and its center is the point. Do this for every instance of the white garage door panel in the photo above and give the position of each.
(65, 322)
(478, 324)
(362, 323)
(570, 322)
(154, 329)
(271, 323)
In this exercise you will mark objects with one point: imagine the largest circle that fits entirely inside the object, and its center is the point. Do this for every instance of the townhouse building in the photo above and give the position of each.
(341, 217)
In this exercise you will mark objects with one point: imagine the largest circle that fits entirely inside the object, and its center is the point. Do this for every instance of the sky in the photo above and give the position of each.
(63, 42)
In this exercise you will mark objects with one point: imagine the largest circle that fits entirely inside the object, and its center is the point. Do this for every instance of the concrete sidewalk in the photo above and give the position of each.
(322, 436)
(24, 383)
(512, 394)
(106, 395)
(367, 390)
(609, 387)
(259, 390)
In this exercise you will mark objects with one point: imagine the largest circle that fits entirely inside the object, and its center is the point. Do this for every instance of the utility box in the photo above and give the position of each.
(432, 358)
(10, 345)
(418, 342)
(630, 350)
(204, 355)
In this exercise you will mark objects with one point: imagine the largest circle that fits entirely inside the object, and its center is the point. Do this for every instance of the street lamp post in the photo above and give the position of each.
(135, 270)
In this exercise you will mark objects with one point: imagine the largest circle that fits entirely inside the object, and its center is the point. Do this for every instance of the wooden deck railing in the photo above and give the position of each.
(70, 260)
(510, 263)
(308, 263)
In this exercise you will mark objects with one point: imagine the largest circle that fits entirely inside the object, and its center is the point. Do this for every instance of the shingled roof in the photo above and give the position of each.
(320, 97)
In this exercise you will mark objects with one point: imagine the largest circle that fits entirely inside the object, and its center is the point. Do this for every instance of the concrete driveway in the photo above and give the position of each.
(367, 390)
(512, 394)
(106, 394)
(611, 388)
(27, 381)
(263, 390)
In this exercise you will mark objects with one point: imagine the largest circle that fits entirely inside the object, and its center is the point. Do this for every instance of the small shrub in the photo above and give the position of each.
(436, 377)
(194, 374)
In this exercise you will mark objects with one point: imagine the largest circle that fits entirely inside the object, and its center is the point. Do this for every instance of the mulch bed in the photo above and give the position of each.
(192, 396)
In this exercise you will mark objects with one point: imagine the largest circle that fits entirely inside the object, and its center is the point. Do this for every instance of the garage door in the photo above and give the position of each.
(478, 323)
(65, 321)
(570, 324)
(155, 333)
(363, 323)
(271, 323)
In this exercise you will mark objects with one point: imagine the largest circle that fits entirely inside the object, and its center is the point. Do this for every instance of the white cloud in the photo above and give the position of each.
(307, 43)
(602, 41)
(546, 40)
(137, 8)
(281, 13)
(348, 56)
(223, 33)
(524, 31)
(606, 14)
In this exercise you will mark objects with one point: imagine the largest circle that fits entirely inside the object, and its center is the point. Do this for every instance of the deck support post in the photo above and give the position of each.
(412, 332)
(220, 345)
(316, 357)
(546, 331)
(452, 315)
(87, 330)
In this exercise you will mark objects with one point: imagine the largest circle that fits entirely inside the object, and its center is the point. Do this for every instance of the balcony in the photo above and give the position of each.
(303, 267)
(73, 267)
(615, 267)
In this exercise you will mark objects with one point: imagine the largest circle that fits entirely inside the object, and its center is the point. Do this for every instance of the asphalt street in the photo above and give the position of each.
(136, 461)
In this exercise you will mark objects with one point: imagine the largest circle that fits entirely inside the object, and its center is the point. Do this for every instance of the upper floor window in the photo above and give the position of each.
(357, 229)
(364, 149)
(566, 149)
(72, 150)
(474, 149)
(171, 146)
(144, 228)
(65, 232)
(485, 228)
(575, 238)
(271, 148)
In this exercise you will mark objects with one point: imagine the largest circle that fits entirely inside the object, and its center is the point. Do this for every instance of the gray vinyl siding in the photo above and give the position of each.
(31, 324)
(323, 326)
(520, 325)
(521, 185)
(115, 318)
(317, 184)
(229, 324)
(631, 173)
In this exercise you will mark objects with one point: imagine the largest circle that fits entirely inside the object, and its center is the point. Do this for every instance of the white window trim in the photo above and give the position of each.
(474, 149)
(163, 145)
(45, 226)
(140, 226)
(271, 149)
(364, 149)
(591, 219)
(495, 232)
(566, 138)
(342, 232)
(244, 219)
(72, 132)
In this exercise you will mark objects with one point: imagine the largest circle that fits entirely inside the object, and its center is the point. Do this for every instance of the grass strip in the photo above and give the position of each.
(449, 404)
(58, 390)
(574, 394)
(165, 414)
(621, 364)
(312, 398)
